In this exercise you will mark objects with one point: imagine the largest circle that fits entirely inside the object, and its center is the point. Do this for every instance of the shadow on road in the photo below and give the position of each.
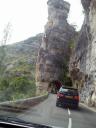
(82, 109)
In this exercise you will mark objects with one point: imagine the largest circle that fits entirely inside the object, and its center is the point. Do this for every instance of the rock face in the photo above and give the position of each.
(85, 55)
(54, 44)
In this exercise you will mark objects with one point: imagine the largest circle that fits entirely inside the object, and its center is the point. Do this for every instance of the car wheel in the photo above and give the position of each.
(76, 107)
(57, 104)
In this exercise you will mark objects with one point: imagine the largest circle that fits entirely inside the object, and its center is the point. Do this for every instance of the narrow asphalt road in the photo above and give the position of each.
(47, 113)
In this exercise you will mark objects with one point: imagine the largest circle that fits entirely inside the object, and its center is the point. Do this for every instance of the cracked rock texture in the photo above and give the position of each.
(54, 44)
(84, 60)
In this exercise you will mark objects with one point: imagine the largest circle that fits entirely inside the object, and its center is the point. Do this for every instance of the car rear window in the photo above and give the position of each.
(68, 90)
(63, 90)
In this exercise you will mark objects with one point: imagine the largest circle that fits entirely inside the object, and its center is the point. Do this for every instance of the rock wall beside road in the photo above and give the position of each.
(54, 46)
(85, 55)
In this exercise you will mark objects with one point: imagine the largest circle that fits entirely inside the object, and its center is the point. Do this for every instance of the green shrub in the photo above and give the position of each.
(4, 83)
(16, 88)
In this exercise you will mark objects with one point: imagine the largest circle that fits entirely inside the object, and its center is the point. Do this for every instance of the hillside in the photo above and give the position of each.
(18, 77)
(25, 51)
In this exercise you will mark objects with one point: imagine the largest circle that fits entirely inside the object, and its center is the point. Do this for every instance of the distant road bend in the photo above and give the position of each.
(47, 113)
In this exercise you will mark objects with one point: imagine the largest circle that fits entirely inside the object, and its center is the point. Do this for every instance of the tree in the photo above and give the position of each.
(3, 42)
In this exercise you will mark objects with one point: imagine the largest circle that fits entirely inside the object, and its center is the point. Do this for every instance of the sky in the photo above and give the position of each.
(28, 17)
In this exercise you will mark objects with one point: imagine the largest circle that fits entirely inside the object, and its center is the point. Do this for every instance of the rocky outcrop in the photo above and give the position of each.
(85, 55)
(54, 46)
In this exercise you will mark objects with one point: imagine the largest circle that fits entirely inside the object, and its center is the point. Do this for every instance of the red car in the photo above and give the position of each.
(67, 97)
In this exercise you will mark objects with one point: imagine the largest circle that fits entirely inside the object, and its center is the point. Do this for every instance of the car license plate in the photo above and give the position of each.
(69, 97)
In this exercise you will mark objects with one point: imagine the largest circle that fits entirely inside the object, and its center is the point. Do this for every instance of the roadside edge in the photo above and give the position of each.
(90, 108)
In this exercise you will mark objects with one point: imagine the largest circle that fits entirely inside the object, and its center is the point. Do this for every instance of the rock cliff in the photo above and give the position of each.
(54, 46)
(83, 62)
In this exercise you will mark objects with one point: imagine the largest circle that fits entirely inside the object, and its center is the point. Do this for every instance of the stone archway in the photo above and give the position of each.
(54, 86)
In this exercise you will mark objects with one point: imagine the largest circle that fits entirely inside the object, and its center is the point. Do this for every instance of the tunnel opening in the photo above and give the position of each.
(54, 86)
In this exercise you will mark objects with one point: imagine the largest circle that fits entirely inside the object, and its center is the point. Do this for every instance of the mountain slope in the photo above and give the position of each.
(18, 77)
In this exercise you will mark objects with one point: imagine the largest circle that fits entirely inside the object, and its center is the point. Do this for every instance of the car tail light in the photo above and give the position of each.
(60, 95)
(76, 97)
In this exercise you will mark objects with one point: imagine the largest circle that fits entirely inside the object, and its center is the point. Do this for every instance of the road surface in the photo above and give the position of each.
(47, 113)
